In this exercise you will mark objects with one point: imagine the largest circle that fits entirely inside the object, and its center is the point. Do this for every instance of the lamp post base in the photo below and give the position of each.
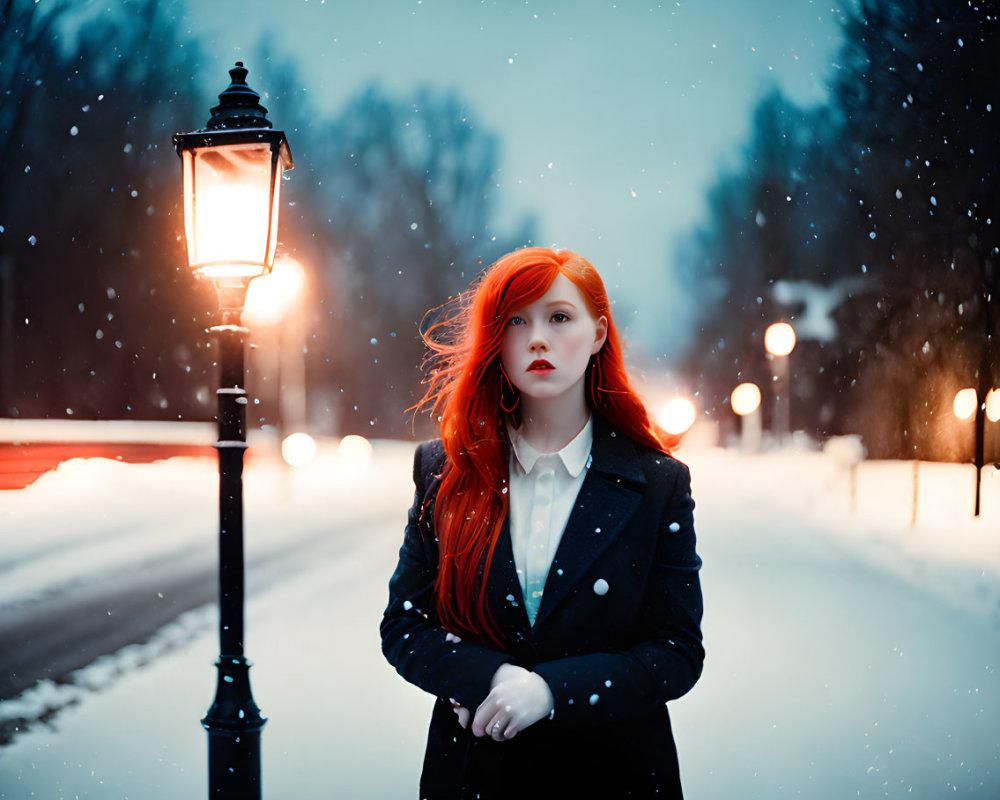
(233, 724)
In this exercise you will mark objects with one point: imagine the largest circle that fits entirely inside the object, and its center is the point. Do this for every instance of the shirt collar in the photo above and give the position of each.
(574, 455)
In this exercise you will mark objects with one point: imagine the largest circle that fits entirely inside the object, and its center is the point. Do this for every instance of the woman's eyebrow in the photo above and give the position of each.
(560, 303)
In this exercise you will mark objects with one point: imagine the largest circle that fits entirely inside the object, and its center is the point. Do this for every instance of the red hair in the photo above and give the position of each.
(465, 391)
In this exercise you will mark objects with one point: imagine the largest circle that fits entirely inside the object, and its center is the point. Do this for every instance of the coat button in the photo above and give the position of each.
(601, 587)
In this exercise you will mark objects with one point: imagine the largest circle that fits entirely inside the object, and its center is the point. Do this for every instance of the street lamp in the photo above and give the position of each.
(677, 416)
(232, 190)
(779, 341)
(966, 405)
(745, 402)
(993, 405)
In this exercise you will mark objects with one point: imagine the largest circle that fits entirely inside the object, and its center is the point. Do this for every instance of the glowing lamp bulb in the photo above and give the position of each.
(298, 449)
(779, 339)
(677, 416)
(745, 399)
(965, 403)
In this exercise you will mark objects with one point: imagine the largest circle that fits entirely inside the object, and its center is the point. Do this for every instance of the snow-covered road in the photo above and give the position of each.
(847, 655)
(829, 678)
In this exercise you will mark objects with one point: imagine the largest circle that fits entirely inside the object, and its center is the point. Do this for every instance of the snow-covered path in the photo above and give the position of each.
(341, 724)
(847, 657)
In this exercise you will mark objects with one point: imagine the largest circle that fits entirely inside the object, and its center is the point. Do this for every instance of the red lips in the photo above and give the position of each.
(540, 365)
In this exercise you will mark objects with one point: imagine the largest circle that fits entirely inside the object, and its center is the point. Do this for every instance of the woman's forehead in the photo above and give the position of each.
(561, 290)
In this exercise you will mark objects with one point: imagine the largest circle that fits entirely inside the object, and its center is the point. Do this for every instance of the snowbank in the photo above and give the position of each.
(801, 693)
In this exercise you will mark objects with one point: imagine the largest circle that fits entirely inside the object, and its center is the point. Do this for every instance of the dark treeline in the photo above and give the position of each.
(389, 208)
(882, 205)
(98, 318)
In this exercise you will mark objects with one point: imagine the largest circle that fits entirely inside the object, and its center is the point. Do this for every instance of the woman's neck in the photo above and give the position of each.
(550, 424)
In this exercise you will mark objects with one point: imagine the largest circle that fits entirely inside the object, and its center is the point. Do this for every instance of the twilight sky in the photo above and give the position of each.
(614, 117)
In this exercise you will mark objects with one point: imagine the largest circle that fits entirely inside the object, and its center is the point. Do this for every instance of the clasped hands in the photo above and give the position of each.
(518, 698)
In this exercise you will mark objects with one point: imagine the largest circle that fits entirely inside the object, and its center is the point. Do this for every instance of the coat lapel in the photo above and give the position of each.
(608, 498)
(506, 599)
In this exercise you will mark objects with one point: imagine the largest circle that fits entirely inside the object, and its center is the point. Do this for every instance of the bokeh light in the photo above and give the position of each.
(745, 399)
(993, 405)
(298, 449)
(270, 297)
(965, 403)
(779, 339)
(677, 416)
(354, 452)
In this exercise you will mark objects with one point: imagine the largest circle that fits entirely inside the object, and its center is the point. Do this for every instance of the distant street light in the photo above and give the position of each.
(993, 415)
(298, 449)
(745, 399)
(354, 453)
(964, 404)
(745, 402)
(779, 341)
(993, 405)
(274, 302)
(677, 416)
(232, 190)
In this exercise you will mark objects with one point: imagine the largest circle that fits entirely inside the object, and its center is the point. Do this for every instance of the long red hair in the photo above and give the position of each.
(467, 395)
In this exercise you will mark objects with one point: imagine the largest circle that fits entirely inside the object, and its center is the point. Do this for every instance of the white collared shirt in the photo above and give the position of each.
(543, 489)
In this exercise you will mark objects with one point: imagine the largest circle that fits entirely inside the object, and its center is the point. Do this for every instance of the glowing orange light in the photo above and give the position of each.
(677, 416)
(231, 200)
(779, 339)
(298, 449)
(993, 405)
(965, 403)
(270, 297)
(745, 399)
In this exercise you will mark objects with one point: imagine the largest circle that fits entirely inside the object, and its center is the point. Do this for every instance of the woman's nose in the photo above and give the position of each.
(537, 344)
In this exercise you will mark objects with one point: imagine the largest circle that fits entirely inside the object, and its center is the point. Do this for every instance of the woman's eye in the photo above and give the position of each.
(515, 321)
(559, 316)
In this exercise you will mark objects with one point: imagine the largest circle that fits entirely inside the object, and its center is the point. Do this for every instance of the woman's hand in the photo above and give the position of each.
(518, 698)
(461, 712)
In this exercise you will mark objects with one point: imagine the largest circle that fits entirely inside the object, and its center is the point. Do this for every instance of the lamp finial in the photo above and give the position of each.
(239, 105)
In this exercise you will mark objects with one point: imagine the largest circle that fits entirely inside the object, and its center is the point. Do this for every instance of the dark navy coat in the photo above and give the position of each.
(617, 635)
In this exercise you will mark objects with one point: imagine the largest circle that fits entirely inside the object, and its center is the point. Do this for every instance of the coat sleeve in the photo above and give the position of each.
(412, 640)
(598, 688)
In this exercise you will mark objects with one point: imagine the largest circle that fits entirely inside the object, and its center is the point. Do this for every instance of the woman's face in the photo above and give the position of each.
(546, 345)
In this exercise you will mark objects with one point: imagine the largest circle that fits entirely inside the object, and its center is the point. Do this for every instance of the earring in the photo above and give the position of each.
(595, 378)
(510, 390)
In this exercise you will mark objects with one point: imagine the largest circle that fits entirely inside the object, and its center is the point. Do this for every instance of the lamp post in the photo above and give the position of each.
(966, 405)
(232, 187)
(779, 341)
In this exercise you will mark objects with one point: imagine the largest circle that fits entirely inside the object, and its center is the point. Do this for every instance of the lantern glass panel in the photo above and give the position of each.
(272, 239)
(228, 209)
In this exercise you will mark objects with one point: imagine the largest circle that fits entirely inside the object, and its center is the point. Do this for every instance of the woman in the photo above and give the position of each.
(547, 588)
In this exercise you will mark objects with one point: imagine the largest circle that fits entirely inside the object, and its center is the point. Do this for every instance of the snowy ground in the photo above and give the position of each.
(849, 654)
